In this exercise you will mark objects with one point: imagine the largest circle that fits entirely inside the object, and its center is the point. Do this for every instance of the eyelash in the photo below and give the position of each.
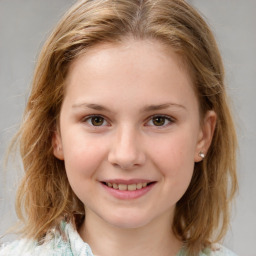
(86, 120)
(169, 119)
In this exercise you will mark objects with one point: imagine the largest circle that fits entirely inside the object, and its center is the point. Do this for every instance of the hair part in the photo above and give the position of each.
(45, 196)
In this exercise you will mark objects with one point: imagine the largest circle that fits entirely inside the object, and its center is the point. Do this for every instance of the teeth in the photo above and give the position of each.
(130, 187)
(139, 186)
(122, 186)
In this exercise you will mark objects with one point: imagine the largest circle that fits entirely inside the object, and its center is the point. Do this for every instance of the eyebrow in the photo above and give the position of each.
(145, 109)
(162, 106)
(91, 106)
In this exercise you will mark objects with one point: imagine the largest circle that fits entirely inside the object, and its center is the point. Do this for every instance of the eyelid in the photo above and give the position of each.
(86, 118)
(169, 118)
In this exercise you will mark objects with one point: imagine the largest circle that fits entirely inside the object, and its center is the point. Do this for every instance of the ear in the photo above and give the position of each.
(205, 135)
(57, 146)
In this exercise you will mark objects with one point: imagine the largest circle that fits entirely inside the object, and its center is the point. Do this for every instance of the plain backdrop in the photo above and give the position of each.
(24, 26)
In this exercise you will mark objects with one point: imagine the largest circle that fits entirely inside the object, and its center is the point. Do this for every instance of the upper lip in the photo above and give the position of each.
(128, 182)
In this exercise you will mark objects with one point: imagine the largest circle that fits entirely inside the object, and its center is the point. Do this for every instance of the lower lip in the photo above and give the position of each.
(127, 194)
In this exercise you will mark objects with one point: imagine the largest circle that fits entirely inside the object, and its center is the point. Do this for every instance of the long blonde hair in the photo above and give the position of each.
(45, 196)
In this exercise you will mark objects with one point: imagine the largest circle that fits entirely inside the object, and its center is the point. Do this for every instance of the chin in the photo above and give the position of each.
(128, 221)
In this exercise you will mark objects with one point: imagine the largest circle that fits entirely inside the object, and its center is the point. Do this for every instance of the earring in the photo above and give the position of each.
(201, 154)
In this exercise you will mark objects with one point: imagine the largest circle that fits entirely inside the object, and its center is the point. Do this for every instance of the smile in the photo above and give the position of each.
(131, 189)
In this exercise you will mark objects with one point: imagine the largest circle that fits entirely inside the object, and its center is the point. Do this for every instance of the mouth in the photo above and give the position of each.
(127, 187)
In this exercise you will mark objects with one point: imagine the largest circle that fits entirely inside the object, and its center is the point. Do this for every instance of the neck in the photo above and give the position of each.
(152, 239)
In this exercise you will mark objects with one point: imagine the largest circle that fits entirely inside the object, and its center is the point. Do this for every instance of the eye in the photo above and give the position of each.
(160, 121)
(96, 120)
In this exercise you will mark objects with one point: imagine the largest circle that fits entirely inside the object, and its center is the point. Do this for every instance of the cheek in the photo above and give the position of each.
(82, 156)
(174, 159)
(175, 156)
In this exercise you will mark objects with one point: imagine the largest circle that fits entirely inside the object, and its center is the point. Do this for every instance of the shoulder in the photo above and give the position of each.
(29, 247)
(218, 250)
(18, 247)
(64, 241)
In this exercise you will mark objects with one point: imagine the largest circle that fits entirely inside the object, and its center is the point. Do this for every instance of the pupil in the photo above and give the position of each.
(159, 120)
(97, 121)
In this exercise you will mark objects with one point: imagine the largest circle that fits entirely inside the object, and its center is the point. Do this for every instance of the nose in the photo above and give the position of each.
(126, 150)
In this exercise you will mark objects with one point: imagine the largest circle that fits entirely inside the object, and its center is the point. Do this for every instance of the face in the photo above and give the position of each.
(130, 132)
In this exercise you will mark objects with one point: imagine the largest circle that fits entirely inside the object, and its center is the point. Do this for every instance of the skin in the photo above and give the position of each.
(122, 84)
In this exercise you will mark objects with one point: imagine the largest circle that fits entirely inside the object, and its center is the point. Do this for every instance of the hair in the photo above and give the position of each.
(45, 197)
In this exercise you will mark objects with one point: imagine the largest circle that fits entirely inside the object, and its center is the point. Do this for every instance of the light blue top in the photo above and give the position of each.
(71, 244)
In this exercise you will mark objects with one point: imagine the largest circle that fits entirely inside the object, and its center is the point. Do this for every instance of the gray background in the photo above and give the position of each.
(25, 24)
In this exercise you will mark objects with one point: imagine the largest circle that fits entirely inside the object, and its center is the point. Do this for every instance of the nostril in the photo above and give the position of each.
(126, 154)
(125, 166)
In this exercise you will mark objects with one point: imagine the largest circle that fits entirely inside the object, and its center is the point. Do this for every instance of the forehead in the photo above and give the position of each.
(132, 65)
(133, 52)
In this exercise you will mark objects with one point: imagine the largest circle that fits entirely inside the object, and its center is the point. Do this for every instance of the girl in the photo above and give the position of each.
(127, 142)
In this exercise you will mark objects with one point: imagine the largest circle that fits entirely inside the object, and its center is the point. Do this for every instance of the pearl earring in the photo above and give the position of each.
(201, 154)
